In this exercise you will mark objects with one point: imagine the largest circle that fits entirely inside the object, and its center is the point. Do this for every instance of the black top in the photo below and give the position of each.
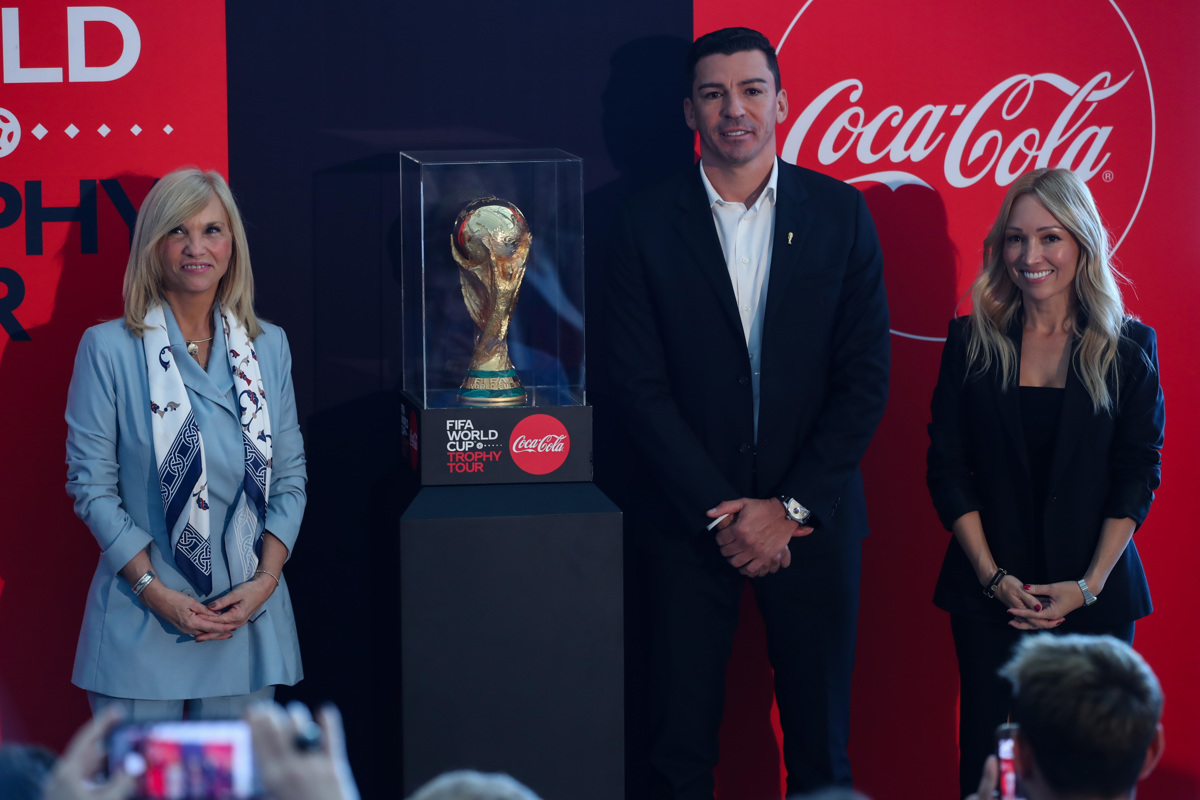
(1041, 408)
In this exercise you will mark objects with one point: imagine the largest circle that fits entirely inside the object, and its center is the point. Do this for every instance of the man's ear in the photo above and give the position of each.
(1153, 752)
(689, 113)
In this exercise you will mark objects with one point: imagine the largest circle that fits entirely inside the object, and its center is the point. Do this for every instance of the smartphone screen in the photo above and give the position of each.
(1009, 787)
(191, 760)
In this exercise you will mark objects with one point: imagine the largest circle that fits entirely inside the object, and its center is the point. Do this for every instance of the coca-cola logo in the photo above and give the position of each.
(921, 135)
(539, 444)
(934, 121)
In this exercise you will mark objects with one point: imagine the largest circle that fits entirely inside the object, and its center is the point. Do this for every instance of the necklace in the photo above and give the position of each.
(193, 347)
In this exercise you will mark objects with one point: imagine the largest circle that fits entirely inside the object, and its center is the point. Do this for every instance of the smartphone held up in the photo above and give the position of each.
(1009, 787)
(191, 760)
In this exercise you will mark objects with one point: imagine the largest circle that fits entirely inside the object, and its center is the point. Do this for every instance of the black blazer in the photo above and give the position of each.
(681, 370)
(1105, 465)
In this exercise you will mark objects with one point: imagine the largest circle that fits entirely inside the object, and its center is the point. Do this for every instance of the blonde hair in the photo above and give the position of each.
(998, 303)
(180, 195)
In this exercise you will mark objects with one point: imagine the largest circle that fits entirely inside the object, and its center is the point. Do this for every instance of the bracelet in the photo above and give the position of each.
(994, 584)
(141, 585)
(269, 575)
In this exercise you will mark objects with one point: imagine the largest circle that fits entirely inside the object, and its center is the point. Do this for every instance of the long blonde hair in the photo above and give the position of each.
(998, 303)
(180, 195)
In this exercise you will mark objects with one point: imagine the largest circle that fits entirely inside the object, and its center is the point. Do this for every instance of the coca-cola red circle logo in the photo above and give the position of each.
(539, 444)
(934, 108)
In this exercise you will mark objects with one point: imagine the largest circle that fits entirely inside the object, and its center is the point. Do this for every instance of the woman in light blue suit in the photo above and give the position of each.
(185, 460)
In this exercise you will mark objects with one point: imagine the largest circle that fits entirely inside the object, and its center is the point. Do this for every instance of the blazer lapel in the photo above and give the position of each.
(696, 228)
(215, 387)
(787, 247)
(201, 382)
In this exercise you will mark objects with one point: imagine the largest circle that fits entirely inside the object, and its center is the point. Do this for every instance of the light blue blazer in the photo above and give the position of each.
(124, 649)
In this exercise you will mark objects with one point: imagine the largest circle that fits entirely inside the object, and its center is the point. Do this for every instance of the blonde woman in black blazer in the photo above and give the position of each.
(1044, 447)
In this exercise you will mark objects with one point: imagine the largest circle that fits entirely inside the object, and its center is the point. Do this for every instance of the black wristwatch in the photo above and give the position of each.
(796, 512)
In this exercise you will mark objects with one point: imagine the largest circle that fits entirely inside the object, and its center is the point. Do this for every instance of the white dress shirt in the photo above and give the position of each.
(746, 236)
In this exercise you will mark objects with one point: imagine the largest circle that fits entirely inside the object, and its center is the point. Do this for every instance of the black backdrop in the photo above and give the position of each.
(322, 95)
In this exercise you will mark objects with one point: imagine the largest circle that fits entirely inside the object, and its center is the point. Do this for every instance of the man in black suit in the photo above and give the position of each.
(748, 334)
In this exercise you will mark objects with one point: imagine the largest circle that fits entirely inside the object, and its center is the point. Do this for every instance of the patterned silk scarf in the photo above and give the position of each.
(179, 454)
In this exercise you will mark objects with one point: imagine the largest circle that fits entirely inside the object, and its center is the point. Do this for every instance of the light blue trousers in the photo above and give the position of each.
(229, 707)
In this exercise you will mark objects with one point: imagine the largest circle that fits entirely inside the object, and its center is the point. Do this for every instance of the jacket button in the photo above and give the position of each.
(743, 381)
(745, 448)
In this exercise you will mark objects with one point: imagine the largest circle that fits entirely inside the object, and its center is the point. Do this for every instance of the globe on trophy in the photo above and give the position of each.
(490, 243)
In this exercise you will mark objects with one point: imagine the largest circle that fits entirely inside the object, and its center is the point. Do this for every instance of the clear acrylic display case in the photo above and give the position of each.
(546, 334)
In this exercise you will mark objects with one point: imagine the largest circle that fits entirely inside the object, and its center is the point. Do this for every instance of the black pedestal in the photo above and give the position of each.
(511, 637)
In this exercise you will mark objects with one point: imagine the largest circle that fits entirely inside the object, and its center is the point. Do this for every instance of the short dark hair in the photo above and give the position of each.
(1089, 707)
(726, 42)
(23, 771)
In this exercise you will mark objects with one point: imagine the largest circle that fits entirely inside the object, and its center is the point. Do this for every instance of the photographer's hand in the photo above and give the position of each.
(298, 772)
(72, 777)
(987, 781)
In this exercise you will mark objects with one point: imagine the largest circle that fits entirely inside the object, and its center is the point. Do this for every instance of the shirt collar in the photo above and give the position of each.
(768, 191)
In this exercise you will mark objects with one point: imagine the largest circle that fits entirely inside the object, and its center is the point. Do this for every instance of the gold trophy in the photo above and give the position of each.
(491, 244)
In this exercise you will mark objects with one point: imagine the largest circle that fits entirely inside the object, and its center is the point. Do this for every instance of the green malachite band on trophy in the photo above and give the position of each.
(491, 373)
(516, 392)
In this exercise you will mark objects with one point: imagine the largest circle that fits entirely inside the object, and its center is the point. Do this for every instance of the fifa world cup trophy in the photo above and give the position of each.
(491, 245)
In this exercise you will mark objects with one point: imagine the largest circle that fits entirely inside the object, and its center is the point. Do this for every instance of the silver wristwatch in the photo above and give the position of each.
(796, 512)
(1088, 597)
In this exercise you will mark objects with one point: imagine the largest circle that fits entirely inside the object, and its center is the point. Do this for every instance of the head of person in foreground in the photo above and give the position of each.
(1088, 710)
(472, 785)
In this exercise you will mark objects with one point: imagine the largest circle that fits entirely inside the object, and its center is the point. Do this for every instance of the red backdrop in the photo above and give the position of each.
(932, 108)
(97, 102)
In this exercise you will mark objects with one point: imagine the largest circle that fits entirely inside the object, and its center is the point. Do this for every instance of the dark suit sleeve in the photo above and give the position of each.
(948, 469)
(857, 386)
(637, 361)
(1134, 470)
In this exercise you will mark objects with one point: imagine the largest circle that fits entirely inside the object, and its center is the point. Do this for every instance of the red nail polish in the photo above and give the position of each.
(1026, 587)
(1060, 622)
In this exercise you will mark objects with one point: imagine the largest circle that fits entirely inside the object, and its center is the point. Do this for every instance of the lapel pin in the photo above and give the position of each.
(789, 237)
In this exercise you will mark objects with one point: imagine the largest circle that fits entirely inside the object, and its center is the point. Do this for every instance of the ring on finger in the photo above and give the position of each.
(308, 738)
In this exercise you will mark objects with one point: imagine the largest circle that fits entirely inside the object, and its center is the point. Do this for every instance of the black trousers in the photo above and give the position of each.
(984, 697)
(810, 611)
